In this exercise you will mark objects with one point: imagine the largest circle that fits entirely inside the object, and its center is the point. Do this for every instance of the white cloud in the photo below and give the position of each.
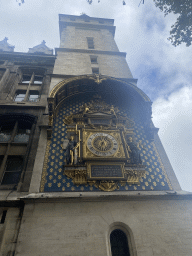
(142, 32)
(174, 118)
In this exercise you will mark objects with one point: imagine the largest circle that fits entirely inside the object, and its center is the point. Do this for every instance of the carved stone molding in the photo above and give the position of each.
(78, 175)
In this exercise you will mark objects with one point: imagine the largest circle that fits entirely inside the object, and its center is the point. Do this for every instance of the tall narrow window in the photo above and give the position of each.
(93, 59)
(3, 216)
(15, 132)
(95, 70)
(13, 170)
(119, 243)
(2, 71)
(30, 85)
(90, 43)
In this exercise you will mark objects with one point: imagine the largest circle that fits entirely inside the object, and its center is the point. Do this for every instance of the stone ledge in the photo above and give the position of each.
(89, 51)
(106, 196)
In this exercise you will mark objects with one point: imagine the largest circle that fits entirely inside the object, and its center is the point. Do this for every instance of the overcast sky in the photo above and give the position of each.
(163, 71)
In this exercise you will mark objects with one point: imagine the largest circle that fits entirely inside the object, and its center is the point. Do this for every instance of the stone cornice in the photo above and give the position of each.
(27, 57)
(22, 105)
(81, 18)
(129, 80)
(88, 26)
(85, 25)
(89, 51)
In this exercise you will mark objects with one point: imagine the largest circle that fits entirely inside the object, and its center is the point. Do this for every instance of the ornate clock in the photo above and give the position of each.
(100, 154)
(102, 144)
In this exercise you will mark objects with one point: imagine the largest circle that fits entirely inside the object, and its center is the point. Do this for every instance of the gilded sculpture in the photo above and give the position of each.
(71, 155)
(135, 157)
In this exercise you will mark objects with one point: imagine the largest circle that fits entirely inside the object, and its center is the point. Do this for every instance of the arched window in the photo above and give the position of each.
(119, 243)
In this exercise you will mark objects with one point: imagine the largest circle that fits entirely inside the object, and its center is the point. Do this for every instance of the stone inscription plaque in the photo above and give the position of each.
(106, 171)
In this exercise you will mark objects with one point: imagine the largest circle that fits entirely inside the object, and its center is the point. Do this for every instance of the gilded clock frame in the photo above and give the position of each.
(88, 155)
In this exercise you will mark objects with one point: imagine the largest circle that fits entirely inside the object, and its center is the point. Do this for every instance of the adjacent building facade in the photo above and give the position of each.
(83, 171)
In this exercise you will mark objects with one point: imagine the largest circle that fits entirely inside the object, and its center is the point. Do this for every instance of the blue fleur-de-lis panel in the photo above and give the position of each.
(54, 180)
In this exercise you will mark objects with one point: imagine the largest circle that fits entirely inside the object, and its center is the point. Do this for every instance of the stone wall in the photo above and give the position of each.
(76, 38)
(9, 231)
(78, 63)
(154, 227)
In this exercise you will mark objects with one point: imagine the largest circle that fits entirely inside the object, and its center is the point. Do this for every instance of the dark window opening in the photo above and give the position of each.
(90, 43)
(21, 133)
(35, 78)
(33, 96)
(1, 160)
(20, 95)
(15, 133)
(38, 80)
(26, 79)
(3, 216)
(119, 243)
(5, 133)
(95, 70)
(2, 71)
(22, 136)
(13, 170)
(93, 60)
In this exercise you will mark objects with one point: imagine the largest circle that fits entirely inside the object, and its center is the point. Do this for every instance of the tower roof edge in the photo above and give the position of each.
(84, 16)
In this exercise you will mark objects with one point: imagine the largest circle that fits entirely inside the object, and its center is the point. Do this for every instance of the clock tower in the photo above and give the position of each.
(95, 101)
(102, 183)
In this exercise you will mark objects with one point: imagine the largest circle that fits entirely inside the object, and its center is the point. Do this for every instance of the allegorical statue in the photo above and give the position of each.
(133, 152)
(70, 151)
(86, 108)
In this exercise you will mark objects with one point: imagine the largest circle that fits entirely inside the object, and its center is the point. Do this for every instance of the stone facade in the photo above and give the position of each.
(156, 225)
(49, 212)
(24, 86)
(15, 67)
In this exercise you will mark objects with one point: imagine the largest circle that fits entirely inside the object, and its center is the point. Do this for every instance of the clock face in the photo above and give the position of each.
(102, 144)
